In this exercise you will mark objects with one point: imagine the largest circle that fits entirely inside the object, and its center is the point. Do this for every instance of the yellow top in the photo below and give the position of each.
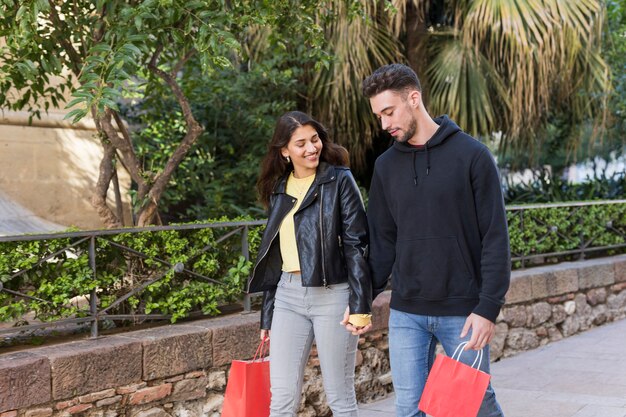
(296, 187)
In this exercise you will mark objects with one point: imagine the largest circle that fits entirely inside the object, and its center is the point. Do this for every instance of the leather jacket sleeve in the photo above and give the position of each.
(267, 309)
(355, 242)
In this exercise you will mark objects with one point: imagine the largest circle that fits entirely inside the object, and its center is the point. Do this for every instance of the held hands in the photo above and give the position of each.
(355, 330)
(483, 331)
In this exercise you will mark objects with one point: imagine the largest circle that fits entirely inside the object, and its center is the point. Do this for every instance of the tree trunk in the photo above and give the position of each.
(149, 189)
(416, 42)
(148, 213)
(119, 204)
(99, 197)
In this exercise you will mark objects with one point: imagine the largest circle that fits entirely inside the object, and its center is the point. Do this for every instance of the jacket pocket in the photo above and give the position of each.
(432, 268)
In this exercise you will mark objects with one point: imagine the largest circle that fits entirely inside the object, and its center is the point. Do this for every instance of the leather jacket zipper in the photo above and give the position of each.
(268, 247)
(322, 235)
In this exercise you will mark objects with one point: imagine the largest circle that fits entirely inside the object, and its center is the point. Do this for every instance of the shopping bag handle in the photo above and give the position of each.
(261, 350)
(459, 350)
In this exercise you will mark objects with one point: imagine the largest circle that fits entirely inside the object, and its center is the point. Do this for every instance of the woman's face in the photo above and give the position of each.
(304, 149)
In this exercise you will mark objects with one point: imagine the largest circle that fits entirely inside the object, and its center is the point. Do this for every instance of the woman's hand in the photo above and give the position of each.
(355, 330)
(265, 334)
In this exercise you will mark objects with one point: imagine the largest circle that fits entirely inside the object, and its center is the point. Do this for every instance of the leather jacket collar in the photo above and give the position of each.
(325, 173)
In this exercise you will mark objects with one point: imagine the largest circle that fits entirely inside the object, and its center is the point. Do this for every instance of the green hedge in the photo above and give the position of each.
(69, 275)
(533, 230)
(548, 229)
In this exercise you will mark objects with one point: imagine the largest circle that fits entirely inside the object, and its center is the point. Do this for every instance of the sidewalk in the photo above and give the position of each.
(581, 376)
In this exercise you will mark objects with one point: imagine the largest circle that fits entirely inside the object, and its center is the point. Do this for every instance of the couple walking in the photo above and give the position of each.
(435, 224)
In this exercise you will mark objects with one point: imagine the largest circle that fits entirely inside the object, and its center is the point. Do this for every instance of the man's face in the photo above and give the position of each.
(395, 114)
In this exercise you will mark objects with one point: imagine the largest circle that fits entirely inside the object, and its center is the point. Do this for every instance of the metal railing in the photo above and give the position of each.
(548, 226)
(98, 313)
(566, 226)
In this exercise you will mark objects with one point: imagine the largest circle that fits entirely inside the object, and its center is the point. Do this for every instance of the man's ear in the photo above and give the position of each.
(415, 98)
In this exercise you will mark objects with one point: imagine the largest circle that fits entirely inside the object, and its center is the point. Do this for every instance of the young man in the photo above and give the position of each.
(438, 227)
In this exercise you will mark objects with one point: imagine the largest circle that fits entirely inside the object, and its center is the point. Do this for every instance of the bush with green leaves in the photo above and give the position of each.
(548, 229)
(58, 285)
(546, 187)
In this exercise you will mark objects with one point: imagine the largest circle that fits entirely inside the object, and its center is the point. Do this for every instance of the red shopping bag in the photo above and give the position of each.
(248, 388)
(454, 389)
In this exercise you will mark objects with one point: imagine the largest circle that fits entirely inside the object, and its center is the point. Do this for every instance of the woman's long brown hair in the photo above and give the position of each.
(274, 166)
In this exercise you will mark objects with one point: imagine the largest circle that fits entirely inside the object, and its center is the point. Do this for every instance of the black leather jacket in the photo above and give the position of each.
(332, 238)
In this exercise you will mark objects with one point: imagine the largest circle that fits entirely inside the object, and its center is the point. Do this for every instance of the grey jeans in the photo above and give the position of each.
(300, 315)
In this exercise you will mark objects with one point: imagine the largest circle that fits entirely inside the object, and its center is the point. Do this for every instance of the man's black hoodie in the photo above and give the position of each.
(438, 226)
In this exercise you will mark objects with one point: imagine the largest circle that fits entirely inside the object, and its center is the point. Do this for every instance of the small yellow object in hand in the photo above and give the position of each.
(360, 320)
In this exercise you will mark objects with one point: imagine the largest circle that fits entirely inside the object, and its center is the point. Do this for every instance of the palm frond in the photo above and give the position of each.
(360, 45)
(540, 48)
(464, 84)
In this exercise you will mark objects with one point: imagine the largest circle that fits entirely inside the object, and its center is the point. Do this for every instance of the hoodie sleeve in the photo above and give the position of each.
(383, 236)
(495, 262)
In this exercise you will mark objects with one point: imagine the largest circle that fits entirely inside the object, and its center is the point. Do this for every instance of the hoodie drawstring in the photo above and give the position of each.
(414, 170)
(427, 163)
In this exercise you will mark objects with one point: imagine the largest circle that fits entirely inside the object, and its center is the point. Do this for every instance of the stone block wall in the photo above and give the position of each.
(548, 303)
(182, 369)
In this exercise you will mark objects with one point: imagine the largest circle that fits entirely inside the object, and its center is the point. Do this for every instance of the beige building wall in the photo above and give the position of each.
(51, 168)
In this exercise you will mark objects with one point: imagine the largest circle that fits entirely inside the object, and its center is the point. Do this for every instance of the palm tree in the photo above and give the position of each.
(359, 43)
(492, 65)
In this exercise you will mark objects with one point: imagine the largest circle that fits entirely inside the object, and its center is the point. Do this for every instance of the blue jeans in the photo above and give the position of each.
(412, 341)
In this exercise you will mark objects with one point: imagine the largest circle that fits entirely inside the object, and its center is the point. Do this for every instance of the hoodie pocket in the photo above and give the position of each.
(432, 268)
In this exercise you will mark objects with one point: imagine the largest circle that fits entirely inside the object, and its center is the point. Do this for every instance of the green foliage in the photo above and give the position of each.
(564, 140)
(62, 284)
(615, 47)
(105, 52)
(28, 59)
(239, 110)
(545, 230)
(108, 45)
(546, 187)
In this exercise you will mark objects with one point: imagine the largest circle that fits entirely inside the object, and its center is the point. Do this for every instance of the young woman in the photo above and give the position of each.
(312, 264)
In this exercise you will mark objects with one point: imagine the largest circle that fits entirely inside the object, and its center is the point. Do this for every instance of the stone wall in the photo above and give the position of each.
(181, 370)
(548, 303)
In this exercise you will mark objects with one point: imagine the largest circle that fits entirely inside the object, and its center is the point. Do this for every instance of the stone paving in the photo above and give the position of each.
(580, 376)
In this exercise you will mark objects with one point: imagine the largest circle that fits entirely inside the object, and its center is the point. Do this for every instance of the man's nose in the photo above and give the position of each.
(384, 123)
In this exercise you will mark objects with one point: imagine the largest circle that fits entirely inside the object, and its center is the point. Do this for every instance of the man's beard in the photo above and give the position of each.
(409, 133)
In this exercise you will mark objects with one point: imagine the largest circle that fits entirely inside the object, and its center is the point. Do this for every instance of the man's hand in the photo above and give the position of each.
(357, 331)
(483, 332)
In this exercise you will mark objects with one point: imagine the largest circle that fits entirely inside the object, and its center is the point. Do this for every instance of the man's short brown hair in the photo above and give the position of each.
(395, 77)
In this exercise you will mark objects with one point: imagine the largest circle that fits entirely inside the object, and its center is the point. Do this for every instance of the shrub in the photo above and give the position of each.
(152, 266)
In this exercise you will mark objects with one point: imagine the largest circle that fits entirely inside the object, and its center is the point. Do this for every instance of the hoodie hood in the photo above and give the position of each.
(447, 129)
